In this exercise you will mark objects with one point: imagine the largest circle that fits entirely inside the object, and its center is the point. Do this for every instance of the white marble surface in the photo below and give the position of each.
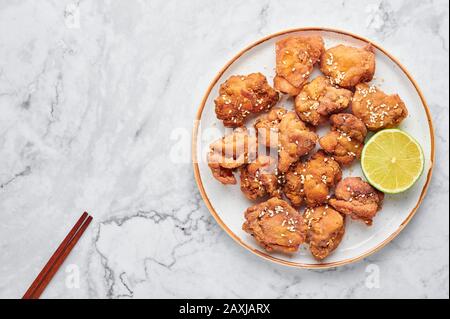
(95, 94)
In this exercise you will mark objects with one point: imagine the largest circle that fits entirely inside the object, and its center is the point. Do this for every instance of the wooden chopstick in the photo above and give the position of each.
(58, 257)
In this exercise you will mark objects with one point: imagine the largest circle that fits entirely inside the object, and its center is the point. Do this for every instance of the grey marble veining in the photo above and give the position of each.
(93, 97)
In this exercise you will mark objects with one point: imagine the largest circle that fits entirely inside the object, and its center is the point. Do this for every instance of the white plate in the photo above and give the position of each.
(227, 204)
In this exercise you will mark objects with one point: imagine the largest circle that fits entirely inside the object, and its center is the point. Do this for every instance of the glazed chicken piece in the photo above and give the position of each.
(295, 140)
(295, 58)
(318, 99)
(260, 178)
(267, 127)
(347, 66)
(242, 95)
(310, 182)
(358, 199)
(285, 131)
(345, 141)
(223, 175)
(325, 229)
(275, 225)
(230, 152)
(377, 109)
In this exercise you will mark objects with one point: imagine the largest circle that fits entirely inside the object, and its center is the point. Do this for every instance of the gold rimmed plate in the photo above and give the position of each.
(227, 204)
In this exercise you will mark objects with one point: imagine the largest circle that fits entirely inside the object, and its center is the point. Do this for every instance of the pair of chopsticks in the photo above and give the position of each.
(58, 257)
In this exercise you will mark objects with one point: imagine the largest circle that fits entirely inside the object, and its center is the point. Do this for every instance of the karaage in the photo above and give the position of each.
(310, 182)
(295, 58)
(295, 140)
(377, 109)
(260, 178)
(242, 95)
(345, 141)
(267, 127)
(358, 199)
(318, 99)
(231, 152)
(347, 66)
(285, 131)
(325, 229)
(275, 225)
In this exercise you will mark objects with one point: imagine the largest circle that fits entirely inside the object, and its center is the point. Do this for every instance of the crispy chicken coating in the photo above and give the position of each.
(260, 178)
(358, 199)
(345, 141)
(321, 174)
(295, 140)
(318, 99)
(288, 133)
(242, 95)
(310, 182)
(325, 229)
(295, 58)
(275, 225)
(267, 127)
(347, 66)
(223, 175)
(231, 152)
(377, 109)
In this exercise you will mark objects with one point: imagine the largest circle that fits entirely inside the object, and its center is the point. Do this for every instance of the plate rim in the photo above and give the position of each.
(265, 255)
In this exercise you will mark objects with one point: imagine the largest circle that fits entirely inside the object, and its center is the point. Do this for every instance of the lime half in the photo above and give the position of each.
(392, 161)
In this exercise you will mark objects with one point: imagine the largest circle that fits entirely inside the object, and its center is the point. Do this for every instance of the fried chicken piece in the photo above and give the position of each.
(377, 109)
(310, 182)
(275, 225)
(347, 66)
(358, 199)
(260, 178)
(223, 175)
(285, 131)
(231, 152)
(295, 58)
(242, 95)
(295, 140)
(345, 141)
(325, 229)
(267, 127)
(318, 99)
